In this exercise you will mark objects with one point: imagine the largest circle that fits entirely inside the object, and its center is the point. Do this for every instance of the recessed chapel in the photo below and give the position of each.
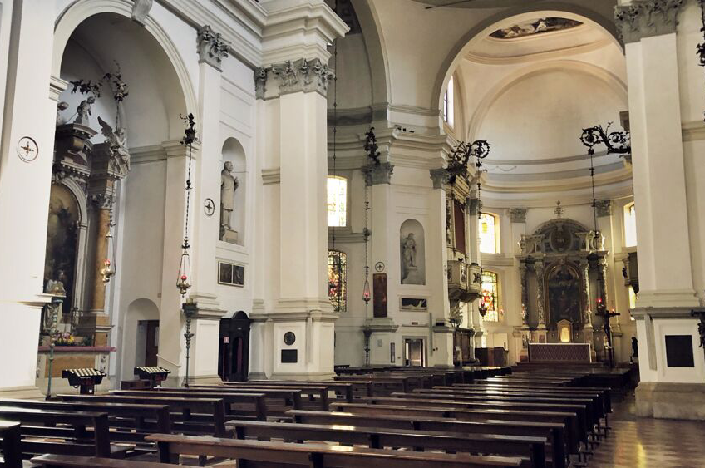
(432, 232)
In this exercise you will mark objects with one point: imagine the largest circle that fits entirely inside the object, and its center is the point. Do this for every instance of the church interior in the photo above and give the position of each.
(341, 233)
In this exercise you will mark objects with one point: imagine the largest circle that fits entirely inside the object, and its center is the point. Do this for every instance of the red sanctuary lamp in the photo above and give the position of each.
(483, 307)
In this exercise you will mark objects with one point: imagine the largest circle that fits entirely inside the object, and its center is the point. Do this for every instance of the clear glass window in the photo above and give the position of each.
(488, 233)
(337, 201)
(449, 104)
(629, 225)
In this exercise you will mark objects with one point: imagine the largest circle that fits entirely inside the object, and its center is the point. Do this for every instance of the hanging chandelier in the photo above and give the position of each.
(183, 281)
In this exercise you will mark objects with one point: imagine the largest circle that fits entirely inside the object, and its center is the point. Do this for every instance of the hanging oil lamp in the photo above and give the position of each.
(183, 281)
(108, 269)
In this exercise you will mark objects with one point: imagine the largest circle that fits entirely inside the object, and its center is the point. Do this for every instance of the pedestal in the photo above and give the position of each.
(229, 236)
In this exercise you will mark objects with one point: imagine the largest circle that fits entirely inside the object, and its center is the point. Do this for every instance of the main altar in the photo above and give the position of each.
(563, 269)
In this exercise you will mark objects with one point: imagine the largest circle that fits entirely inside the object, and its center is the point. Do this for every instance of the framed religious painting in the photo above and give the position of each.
(231, 274)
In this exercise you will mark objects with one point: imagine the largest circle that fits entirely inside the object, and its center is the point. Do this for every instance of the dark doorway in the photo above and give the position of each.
(234, 348)
(152, 343)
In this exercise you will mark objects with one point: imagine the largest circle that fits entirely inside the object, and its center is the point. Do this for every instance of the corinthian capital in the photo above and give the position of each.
(646, 18)
(212, 49)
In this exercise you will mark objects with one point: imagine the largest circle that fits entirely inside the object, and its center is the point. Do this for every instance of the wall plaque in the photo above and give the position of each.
(679, 351)
(290, 355)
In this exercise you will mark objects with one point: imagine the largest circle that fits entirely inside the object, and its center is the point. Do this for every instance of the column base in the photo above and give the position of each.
(669, 400)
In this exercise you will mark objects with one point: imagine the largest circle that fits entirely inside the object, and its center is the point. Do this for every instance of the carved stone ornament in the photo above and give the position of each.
(212, 49)
(140, 10)
(646, 18)
(103, 201)
(517, 215)
(292, 77)
(378, 174)
(603, 207)
(440, 177)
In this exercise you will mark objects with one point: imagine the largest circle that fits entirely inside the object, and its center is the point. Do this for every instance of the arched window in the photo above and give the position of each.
(632, 298)
(489, 233)
(629, 225)
(337, 201)
(338, 280)
(448, 104)
(490, 295)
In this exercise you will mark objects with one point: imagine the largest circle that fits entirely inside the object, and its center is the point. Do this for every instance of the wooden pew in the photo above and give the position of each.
(530, 449)
(345, 390)
(315, 456)
(379, 386)
(240, 404)
(122, 418)
(593, 411)
(11, 449)
(553, 431)
(277, 399)
(191, 415)
(35, 422)
(573, 432)
(56, 461)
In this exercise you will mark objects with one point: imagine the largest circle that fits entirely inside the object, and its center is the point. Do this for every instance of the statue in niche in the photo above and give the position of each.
(228, 186)
(408, 259)
(83, 111)
(120, 157)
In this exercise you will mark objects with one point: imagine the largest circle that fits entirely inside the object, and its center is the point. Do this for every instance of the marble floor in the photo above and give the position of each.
(653, 443)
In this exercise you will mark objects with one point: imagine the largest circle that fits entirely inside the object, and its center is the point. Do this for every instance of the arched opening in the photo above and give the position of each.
(117, 120)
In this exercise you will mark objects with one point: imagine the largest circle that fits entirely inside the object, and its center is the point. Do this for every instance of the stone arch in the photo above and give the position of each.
(79, 11)
(475, 121)
(376, 51)
(506, 18)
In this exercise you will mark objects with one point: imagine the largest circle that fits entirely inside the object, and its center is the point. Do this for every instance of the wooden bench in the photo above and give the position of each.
(276, 398)
(554, 432)
(122, 418)
(344, 390)
(11, 449)
(530, 449)
(188, 414)
(240, 404)
(315, 456)
(56, 461)
(573, 433)
(70, 438)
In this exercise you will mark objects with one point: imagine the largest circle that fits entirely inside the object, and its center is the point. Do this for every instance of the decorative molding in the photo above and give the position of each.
(271, 176)
(212, 49)
(694, 130)
(301, 75)
(378, 174)
(140, 10)
(603, 207)
(56, 87)
(517, 215)
(647, 18)
(440, 177)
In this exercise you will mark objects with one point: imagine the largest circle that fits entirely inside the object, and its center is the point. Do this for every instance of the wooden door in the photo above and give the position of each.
(152, 346)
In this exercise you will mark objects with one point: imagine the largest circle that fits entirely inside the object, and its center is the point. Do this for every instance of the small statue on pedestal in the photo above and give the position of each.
(83, 111)
(228, 186)
(120, 162)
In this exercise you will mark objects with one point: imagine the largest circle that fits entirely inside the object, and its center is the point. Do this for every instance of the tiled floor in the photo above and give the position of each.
(653, 443)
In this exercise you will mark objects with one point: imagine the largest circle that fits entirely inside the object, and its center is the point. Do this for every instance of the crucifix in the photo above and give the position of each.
(606, 316)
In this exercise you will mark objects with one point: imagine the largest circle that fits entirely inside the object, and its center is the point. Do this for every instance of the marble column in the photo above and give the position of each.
(585, 271)
(540, 304)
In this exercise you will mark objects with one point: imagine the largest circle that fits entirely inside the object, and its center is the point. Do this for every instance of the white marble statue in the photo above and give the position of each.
(83, 111)
(60, 107)
(228, 186)
(408, 247)
(140, 10)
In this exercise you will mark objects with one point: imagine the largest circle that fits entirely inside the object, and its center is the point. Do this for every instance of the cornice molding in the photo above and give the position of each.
(517, 215)
(271, 176)
(647, 18)
(693, 130)
(556, 54)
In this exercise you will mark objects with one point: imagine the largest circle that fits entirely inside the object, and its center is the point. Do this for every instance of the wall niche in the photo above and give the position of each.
(412, 253)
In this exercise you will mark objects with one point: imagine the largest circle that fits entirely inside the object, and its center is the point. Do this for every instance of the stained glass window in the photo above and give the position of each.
(489, 295)
(629, 225)
(489, 228)
(338, 280)
(337, 201)
(448, 104)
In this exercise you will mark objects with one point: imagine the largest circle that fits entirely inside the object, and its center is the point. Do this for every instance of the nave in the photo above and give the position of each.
(464, 417)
